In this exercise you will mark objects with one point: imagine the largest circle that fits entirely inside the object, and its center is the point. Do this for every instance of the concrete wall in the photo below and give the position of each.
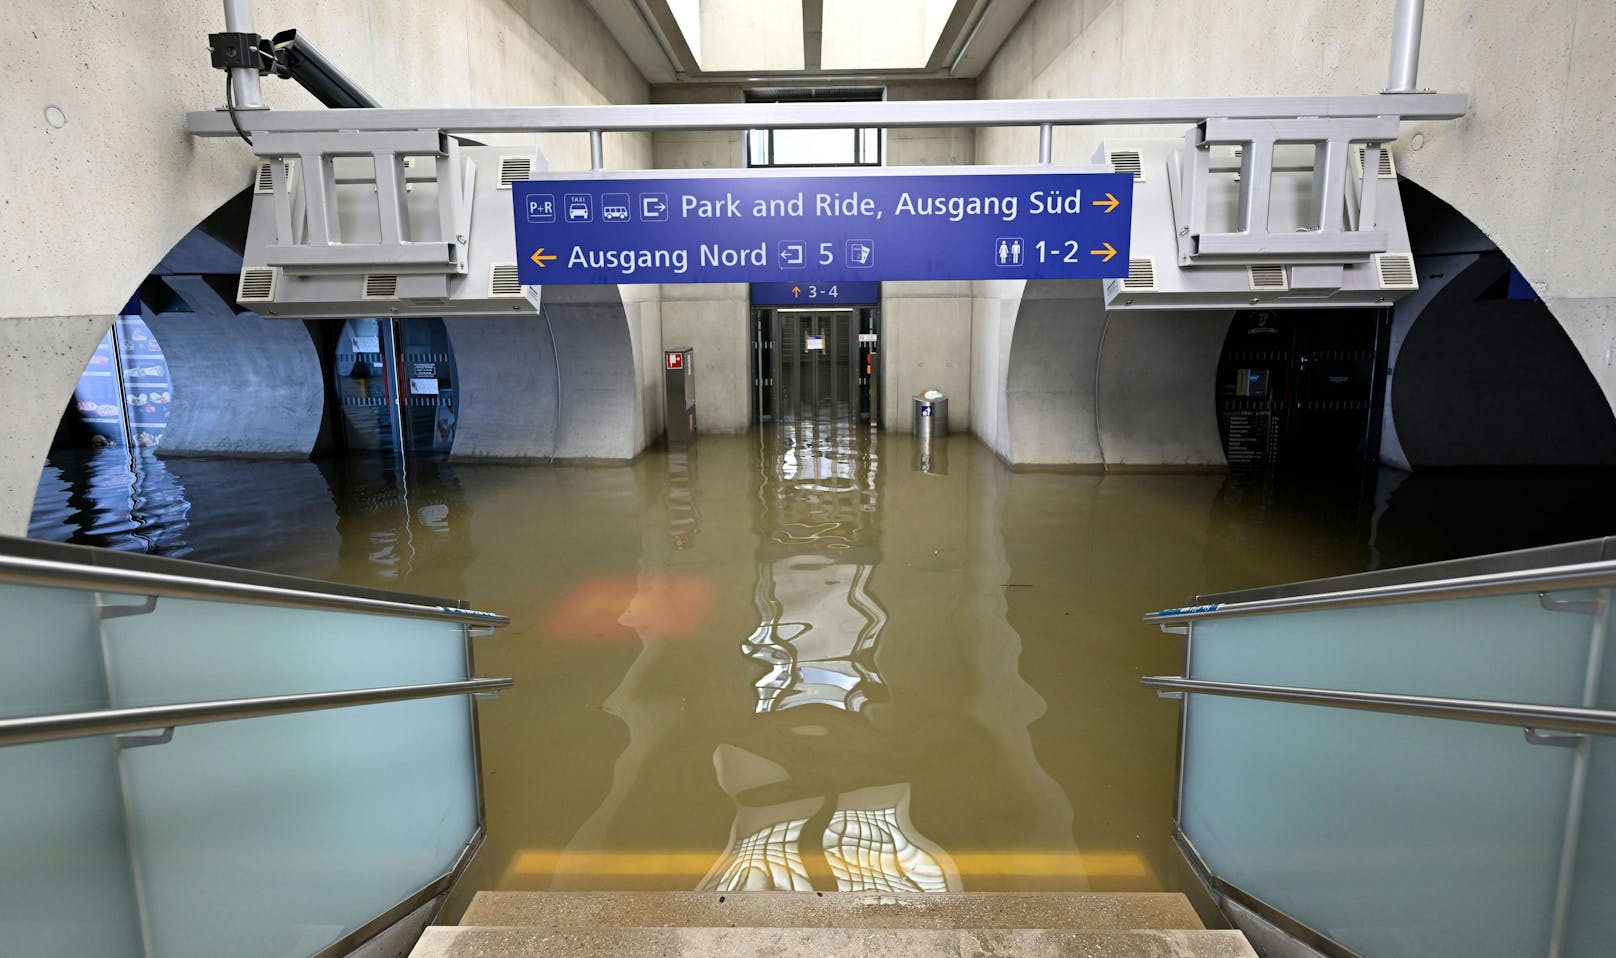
(1527, 164)
(114, 187)
(711, 319)
(926, 327)
(42, 359)
(993, 323)
(926, 341)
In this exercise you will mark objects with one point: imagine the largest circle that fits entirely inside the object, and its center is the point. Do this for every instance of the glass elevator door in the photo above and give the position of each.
(816, 364)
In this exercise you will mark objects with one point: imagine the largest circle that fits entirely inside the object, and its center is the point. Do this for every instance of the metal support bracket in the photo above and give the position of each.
(130, 740)
(1167, 694)
(308, 236)
(1180, 628)
(479, 631)
(1576, 606)
(485, 696)
(1339, 228)
(238, 51)
(105, 611)
(1552, 740)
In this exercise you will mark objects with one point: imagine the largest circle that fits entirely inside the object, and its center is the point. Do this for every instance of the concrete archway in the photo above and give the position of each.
(1132, 388)
(554, 386)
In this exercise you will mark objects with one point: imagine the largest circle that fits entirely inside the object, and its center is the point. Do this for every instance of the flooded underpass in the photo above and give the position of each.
(811, 658)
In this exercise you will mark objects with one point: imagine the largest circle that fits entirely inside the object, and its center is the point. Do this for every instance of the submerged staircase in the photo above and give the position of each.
(844, 924)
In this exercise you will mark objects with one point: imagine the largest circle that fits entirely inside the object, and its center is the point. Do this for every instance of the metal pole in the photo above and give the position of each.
(1405, 66)
(597, 150)
(1046, 143)
(244, 87)
(1571, 842)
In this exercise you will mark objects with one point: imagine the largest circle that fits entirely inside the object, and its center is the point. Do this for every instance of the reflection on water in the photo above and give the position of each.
(817, 547)
(797, 659)
(818, 529)
(116, 497)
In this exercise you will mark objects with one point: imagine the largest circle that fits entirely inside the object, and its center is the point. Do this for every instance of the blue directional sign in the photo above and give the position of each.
(1045, 223)
(815, 292)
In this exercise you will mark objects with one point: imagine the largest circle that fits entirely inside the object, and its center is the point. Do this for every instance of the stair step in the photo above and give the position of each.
(482, 942)
(1073, 910)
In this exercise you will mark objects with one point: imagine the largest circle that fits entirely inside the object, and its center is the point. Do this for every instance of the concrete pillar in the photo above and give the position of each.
(1081, 388)
(243, 385)
(42, 358)
(1157, 392)
(599, 408)
(509, 404)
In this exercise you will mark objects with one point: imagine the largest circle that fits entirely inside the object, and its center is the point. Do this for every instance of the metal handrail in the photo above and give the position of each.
(1554, 578)
(1548, 717)
(32, 729)
(48, 572)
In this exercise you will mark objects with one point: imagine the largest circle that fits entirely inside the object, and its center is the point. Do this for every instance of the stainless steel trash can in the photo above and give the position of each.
(931, 417)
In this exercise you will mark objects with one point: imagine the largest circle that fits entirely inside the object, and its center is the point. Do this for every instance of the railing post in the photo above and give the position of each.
(1405, 65)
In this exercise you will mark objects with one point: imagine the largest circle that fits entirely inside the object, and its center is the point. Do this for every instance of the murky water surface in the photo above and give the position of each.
(810, 658)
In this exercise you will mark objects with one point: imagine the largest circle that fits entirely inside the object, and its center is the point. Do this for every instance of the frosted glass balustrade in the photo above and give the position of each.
(270, 837)
(1504, 648)
(66, 884)
(277, 836)
(1397, 836)
(1408, 836)
(50, 651)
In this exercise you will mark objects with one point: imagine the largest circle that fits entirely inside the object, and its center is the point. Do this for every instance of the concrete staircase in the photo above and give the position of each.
(845, 925)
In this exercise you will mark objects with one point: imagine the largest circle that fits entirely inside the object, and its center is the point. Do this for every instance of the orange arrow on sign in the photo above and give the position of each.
(1108, 252)
(1110, 202)
(795, 290)
(542, 258)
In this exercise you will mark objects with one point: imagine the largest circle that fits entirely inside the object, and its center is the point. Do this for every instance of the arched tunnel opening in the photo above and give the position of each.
(1460, 420)
(198, 418)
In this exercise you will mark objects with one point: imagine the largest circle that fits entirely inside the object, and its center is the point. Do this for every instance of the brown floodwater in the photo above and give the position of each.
(809, 657)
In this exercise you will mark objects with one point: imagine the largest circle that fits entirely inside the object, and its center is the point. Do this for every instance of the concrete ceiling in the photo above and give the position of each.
(692, 41)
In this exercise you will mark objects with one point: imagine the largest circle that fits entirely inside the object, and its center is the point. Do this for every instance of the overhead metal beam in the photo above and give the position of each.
(640, 118)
